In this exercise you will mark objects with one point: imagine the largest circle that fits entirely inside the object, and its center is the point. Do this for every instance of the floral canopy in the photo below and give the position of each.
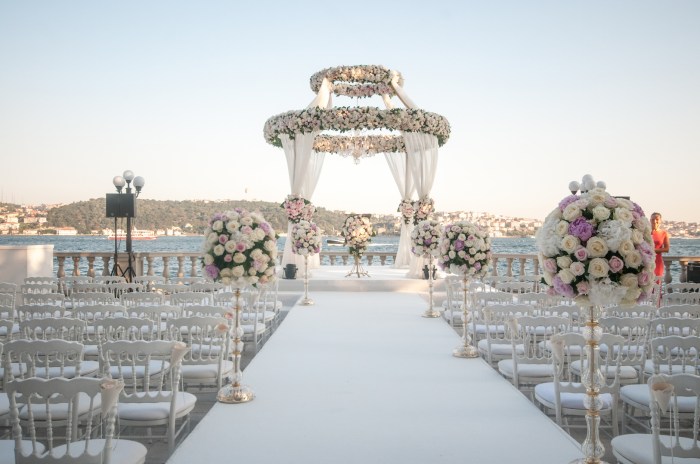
(409, 137)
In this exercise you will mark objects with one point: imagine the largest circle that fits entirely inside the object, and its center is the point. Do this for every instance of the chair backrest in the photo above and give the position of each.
(41, 358)
(93, 312)
(148, 282)
(7, 327)
(664, 326)
(80, 407)
(41, 280)
(92, 287)
(680, 298)
(7, 306)
(190, 298)
(675, 355)
(646, 311)
(170, 289)
(666, 393)
(530, 335)
(680, 310)
(515, 287)
(92, 298)
(683, 287)
(109, 279)
(67, 283)
(142, 299)
(210, 287)
(186, 280)
(125, 328)
(39, 288)
(480, 300)
(8, 287)
(206, 336)
(123, 288)
(25, 312)
(144, 366)
(206, 310)
(64, 328)
(55, 299)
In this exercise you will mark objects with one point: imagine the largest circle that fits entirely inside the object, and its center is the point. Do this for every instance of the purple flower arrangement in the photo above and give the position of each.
(465, 249)
(425, 238)
(240, 248)
(594, 245)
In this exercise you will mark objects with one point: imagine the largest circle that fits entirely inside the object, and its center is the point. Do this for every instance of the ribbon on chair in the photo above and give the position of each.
(662, 393)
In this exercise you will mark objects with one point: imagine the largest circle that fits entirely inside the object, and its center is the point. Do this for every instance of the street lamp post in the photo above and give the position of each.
(126, 207)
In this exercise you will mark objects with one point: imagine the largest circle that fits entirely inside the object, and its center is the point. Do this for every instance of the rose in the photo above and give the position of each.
(598, 268)
(570, 243)
(596, 247)
(645, 278)
(577, 268)
(566, 276)
(581, 253)
(633, 259)
(629, 280)
(550, 265)
(563, 262)
(562, 228)
(616, 264)
(601, 213)
(571, 212)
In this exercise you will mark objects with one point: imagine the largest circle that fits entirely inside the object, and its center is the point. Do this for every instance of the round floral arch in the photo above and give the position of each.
(409, 138)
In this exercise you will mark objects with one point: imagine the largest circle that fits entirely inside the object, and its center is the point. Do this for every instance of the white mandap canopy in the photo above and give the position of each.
(408, 137)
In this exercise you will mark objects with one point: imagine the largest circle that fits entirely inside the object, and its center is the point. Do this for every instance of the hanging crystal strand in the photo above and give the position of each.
(593, 380)
(235, 392)
(465, 350)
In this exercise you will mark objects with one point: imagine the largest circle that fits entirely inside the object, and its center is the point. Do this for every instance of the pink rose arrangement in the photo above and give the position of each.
(407, 210)
(240, 248)
(423, 209)
(595, 247)
(465, 249)
(298, 208)
(306, 238)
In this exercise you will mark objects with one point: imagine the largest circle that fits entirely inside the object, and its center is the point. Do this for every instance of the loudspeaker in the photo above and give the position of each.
(693, 272)
(121, 205)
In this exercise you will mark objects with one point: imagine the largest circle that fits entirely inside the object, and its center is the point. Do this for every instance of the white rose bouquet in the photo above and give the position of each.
(423, 209)
(240, 248)
(465, 248)
(597, 248)
(425, 238)
(306, 238)
(357, 232)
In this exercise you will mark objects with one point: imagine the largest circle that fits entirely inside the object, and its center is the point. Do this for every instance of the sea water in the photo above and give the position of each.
(193, 244)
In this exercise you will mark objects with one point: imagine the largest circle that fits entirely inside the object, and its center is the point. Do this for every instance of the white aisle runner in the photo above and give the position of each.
(362, 378)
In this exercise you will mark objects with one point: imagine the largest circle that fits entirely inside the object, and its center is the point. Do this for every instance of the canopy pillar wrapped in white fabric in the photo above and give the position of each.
(422, 155)
(401, 171)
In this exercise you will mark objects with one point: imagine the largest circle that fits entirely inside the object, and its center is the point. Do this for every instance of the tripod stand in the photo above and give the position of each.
(117, 270)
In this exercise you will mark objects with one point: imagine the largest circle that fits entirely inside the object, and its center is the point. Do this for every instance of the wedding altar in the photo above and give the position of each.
(361, 377)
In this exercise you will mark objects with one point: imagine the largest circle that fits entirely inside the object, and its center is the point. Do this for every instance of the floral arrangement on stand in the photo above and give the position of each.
(593, 246)
(306, 238)
(423, 209)
(425, 238)
(407, 211)
(298, 208)
(357, 232)
(465, 249)
(240, 248)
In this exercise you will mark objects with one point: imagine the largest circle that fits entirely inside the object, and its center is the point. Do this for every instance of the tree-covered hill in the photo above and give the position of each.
(188, 215)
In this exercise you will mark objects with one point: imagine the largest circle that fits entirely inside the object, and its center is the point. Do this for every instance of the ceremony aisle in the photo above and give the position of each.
(362, 378)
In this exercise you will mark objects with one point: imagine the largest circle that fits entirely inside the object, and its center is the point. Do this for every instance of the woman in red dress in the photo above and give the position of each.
(661, 242)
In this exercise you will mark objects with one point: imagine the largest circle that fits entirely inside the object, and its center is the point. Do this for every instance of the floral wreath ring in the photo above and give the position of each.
(358, 81)
(344, 119)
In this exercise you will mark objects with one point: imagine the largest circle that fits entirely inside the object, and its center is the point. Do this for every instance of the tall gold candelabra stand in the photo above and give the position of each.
(357, 268)
(235, 392)
(593, 380)
(466, 349)
(306, 301)
(430, 312)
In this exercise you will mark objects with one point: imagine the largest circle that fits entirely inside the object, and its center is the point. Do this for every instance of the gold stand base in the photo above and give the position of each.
(431, 313)
(465, 352)
(235, 394)
(306, 302)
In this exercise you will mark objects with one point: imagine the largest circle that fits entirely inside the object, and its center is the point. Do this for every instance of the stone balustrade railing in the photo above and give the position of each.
(183, 264)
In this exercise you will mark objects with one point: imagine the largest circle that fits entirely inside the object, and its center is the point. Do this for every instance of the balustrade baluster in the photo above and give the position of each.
(105, 266)
(149, 262)
(166, 267)
(76, 265)
(91, 266)
(193, 269)
(181, 266)
(61, 273)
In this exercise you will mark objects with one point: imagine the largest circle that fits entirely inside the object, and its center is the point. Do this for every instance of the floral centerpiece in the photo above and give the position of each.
(357, 232)
(425, 238)
(465, 248)
(240, 248)
(306, 238)
(597, 248)
(298, 208)
(407, 211)
(423, 209)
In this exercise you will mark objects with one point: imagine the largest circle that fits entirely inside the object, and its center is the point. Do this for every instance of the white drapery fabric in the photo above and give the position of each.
(304, 167)
(400, 169)
(422, 155)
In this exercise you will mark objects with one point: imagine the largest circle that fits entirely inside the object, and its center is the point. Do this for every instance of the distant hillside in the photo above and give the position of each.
(189, 216)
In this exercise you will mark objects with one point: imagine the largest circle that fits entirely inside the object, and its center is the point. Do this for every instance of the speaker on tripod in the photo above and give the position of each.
(121, 205)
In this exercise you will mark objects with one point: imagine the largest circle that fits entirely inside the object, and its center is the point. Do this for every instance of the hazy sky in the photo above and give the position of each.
(537, 93)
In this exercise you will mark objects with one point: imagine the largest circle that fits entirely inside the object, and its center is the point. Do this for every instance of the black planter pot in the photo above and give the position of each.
(290, 271)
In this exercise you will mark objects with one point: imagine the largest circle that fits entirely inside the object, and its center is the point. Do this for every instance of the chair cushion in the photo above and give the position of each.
(204, 371)
(532, 371)
(626, 372)
(123, 451)
(155, 411)
(638, 396)
(569, 400)
(639, 448)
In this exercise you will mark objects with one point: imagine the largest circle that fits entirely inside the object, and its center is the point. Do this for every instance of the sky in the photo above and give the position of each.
(537, 93)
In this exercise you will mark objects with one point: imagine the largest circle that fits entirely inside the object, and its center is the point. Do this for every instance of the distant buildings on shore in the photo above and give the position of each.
(32, 220)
